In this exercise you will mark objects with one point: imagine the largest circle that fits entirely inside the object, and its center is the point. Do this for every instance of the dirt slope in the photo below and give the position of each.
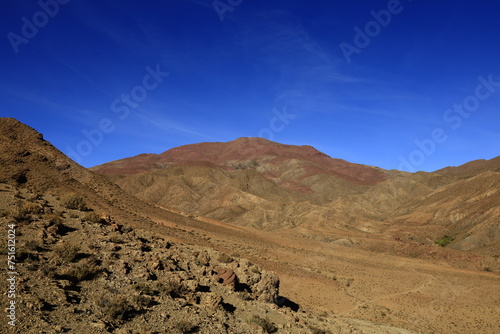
(90, 258)
(348, 272)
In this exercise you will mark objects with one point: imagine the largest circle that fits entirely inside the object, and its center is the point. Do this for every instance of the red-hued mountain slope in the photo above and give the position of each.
(266, 156)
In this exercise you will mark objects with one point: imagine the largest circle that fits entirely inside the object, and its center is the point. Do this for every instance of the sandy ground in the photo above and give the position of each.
(423, 296)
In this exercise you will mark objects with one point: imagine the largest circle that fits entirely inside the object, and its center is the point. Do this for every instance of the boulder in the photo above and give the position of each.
(226, 277)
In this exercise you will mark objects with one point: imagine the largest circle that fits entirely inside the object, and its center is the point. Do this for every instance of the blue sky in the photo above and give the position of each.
(412, 85)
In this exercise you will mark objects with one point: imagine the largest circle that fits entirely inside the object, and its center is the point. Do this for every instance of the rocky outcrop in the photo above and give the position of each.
(267, 289)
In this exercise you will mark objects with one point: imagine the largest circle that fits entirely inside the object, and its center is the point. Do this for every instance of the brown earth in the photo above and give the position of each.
(266, 185)
(350, 268)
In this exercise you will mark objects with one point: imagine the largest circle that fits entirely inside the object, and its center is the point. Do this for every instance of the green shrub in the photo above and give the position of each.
(48, 270)
(245, 295)
(444, 241)
(116, 239)
(142, 301)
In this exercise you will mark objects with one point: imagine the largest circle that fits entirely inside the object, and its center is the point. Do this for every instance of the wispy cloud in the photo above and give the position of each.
(37, 99)
(85, 77)
(304, 73)
(159, 122)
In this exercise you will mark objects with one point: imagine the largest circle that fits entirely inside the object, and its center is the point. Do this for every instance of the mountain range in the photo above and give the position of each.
(244, 237)
(263, 184)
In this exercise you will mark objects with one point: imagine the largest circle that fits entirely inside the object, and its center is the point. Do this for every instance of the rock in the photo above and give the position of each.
(267, 290)
(114, 227)
(156, 264)
(203, 259)
(53, 230)
(99, 324)
(191, 285)
(226, 277)
(211, 300)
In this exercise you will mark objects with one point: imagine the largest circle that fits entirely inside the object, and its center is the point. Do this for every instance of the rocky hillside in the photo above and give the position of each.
(83, 273)
(92, 258)
(87, 262)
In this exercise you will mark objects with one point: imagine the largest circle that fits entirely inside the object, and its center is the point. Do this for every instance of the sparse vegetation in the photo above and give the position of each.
(444, 241)
(315, 330)
(32, 208)
(20, 215)
(3, 250)
(174, 288)
(142, 301)
(266, 325)
(35, 197)
(144, 289)
(67, 251)
(24, 256)
(53, 219)
(118, 308)
(32, 245)
(74, 202)
(85, 270)
(255, 270)
(245, 295)
(184, 327)
(92, 217)
(94, 276)
(48, 270)
(224, 258)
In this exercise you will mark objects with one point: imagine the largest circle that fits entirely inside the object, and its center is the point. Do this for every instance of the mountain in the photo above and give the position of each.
(254, 180)
(264, 155)
(342, 256)
(259, 183)
(90, 258)
(271, 159)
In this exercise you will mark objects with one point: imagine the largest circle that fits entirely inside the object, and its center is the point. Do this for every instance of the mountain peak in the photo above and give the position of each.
(274, 160)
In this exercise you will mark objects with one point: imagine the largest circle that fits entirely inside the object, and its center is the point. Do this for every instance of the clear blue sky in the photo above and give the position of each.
(372, 82)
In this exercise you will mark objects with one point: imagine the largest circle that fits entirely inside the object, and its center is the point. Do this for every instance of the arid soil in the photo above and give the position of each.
(343, 263)
(279, 187)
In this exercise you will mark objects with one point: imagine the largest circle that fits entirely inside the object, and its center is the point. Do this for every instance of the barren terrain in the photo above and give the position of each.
(361, 258)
